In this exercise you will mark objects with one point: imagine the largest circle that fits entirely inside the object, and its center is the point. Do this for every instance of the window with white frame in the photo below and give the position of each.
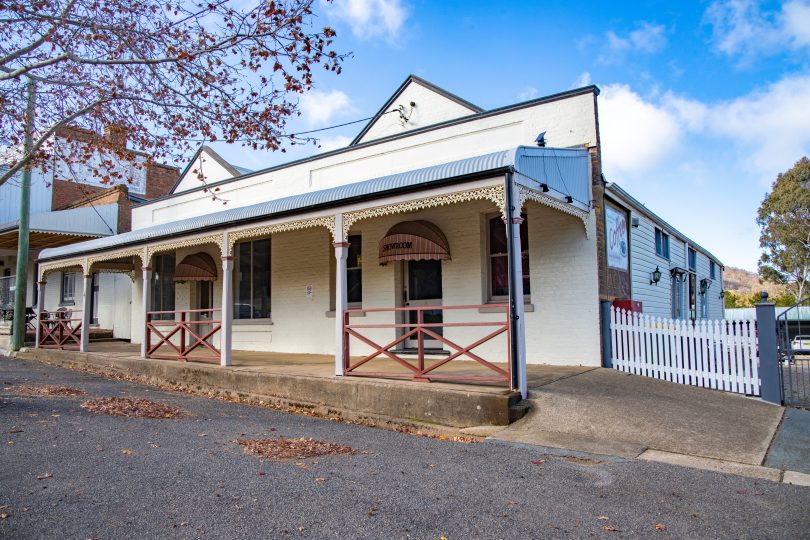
(498, 259)
(354, 270)
(712, 270)
(252, 280)
(661, 243)
(163, 285)
(68, 289)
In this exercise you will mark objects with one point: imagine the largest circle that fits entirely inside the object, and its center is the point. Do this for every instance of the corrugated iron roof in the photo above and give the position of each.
(86, 221)
(522, 157)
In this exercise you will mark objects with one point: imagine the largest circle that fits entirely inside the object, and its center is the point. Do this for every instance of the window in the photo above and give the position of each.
(692, 260)
(163, 285)
(661, 243)
(252, 276)
(354, 270)
(712, 270)
(677, 295)
(68, 292)
(498, 258)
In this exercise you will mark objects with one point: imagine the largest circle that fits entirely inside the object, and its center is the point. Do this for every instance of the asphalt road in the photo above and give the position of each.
(187, 479)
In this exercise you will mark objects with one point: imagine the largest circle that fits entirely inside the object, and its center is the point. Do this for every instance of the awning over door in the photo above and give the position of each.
(196, 267)
(414, 241)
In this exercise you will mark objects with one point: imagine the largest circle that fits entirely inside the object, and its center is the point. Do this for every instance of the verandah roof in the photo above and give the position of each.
(564, 175)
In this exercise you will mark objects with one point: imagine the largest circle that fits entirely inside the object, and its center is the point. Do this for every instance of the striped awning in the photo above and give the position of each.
(196, 267)
(414, 241)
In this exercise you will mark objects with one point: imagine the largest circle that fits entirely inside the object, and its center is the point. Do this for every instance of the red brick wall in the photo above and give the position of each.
(160, 179)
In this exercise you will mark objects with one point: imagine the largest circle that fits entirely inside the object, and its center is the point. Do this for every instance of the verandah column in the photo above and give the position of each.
(517, 308)
(341, 293)
(87, 307)
(40, 309)
(226, 331)
(146, 296)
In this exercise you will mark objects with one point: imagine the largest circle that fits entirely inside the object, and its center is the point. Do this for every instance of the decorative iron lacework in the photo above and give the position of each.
(134, 252)
(72, 264)
(266, 230)
(215, 239)
(496, 194)
(527, 194)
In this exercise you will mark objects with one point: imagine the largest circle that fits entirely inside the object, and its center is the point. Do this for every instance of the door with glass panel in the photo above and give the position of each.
(423, 287)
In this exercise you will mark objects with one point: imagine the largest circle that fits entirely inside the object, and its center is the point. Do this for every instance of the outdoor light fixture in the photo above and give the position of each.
(722, 294)
(634, 222)
(705, 283)
(569, 199)
(656, 276)
(544, 187)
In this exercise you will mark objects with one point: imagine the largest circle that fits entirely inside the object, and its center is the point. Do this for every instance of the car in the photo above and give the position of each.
(801, 344)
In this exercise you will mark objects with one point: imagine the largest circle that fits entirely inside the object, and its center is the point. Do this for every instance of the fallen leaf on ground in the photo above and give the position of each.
(126, 451)
(603, 518)
(660, 527)
(44, 476)
(538, 461)
(48, 390)
(133, 408)
(610, 528)
(283, 449)
(4, 516)
(15, 429)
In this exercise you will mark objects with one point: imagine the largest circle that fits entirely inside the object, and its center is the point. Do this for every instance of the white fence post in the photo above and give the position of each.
(720, 355)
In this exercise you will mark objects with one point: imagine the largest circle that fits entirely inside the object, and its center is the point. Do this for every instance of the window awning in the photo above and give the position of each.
(414, 241)
(196, 267)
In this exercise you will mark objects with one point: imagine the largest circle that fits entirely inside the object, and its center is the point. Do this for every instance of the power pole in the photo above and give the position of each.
(21, 279)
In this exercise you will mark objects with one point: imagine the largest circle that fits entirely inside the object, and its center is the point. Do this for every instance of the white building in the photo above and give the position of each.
(418, 243)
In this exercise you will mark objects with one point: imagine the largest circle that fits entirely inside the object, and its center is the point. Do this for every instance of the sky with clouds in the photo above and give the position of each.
(702, 103)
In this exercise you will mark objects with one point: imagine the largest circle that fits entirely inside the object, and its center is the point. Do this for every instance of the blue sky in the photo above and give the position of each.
(702, 103)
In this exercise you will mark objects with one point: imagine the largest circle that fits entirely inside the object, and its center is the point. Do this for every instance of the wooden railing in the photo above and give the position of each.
(182, 334)
(416, 367)
(60, 329)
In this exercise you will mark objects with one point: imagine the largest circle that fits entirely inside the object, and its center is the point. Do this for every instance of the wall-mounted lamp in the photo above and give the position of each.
(634, 222)
(544, 187)
(722, 294)
(705, 283)
(656, 276)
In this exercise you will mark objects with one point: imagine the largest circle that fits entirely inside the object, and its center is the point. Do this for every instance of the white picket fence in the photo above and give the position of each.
(711, 354)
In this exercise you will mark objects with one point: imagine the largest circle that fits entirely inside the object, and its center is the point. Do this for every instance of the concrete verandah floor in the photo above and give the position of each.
(323, 366)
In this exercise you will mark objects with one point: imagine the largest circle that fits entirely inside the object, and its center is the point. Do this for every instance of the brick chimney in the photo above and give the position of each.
(116, 135)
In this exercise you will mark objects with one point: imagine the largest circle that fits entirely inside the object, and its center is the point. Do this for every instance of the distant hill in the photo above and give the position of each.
(745, 282)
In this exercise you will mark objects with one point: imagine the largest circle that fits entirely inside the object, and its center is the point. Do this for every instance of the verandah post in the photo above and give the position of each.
(226, 326)
(341, 293)
(40, 310)
(516, 303)
(87, 307)
(146, 295)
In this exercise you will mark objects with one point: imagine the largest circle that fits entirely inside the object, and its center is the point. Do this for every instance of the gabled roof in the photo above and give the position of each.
(410, 80)
(233, 170)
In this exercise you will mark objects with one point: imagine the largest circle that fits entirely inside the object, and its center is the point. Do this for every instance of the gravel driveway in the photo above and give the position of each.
(114, 477)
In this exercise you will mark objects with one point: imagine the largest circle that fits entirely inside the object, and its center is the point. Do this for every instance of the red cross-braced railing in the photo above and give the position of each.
(182, 335)
(410, 357)
(60, 329)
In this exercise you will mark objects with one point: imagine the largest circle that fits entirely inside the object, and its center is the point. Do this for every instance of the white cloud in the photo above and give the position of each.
(530, 92)
(584, 79)
(741, 28)
(767, 130)
(369, 18)
(333, 143)
(319, 107)
(647, 38)
(636, 135)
